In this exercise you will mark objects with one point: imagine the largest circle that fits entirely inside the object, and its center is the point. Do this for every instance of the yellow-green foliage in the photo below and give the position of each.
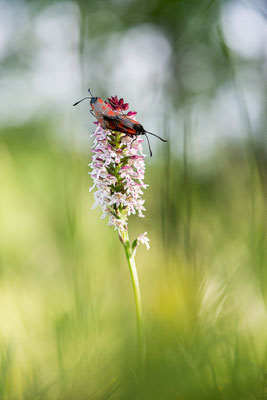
(67, 318)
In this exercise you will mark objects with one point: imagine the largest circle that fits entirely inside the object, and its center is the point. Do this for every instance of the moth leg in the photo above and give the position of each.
(133, 141)
(130, 136)
(92, 112)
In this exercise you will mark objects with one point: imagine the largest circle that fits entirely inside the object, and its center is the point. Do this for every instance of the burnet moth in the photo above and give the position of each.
(116, 121)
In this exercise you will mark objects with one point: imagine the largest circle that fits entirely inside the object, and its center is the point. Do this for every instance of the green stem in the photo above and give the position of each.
(137, 296)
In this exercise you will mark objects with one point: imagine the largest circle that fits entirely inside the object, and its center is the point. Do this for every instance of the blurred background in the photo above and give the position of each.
(196, 73)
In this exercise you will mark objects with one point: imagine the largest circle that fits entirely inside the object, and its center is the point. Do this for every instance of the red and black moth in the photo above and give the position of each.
(116, 121)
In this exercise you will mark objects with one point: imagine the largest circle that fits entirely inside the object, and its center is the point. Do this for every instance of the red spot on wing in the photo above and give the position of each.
(110, 112)
(133, 121)
(130, 131)
(126, 129)
(129, 119)
(100, 120)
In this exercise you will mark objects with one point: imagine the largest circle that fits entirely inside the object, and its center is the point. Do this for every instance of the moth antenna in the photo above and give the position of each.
(150, 151)
(89, 91)
(163, 140)
(75, 104)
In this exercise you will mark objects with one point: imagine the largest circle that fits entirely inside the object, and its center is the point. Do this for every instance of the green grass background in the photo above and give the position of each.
(67, 313)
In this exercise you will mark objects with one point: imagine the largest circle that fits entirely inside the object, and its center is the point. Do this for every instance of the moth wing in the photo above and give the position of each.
(109, 122)
(120, 123)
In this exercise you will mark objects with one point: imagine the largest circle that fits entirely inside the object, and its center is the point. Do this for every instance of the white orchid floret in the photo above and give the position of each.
(144, 240)
(141, 239)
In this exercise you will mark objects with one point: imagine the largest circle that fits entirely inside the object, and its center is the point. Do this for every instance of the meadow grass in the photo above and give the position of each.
(67, 317)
